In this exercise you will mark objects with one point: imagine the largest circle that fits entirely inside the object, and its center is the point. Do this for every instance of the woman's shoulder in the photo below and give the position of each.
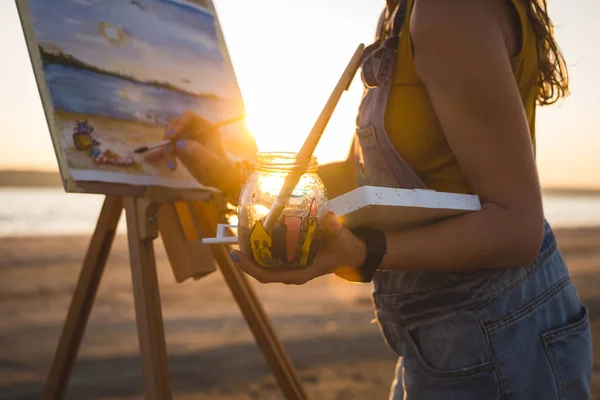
(465, 24)
(461, 24)
(433, 17)
(432, 25)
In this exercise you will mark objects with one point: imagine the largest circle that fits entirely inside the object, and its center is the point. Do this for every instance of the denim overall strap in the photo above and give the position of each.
(380, 56)
(378, 162)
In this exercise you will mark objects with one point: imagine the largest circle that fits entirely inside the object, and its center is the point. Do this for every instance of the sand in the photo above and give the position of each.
(325, 326)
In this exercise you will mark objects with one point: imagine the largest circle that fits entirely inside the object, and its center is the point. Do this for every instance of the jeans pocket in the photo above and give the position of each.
(454, 345)
(391, 334)
(569, 350)
(449, 358)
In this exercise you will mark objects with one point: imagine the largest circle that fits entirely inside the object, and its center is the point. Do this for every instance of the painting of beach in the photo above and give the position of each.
(115, 73)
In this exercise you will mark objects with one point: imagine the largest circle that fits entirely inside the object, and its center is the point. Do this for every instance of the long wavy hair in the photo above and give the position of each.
(552, 77)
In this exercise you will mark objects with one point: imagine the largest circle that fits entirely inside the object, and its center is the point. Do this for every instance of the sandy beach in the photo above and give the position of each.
(325, 326)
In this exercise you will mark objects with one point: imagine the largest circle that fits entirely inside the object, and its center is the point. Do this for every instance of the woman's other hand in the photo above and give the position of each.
(197, 145)
(342, 254)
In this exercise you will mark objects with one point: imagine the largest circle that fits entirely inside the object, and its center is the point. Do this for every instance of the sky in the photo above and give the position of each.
(288, 56)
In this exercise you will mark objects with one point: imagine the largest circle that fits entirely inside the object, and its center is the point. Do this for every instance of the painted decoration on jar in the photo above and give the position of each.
(294, 240)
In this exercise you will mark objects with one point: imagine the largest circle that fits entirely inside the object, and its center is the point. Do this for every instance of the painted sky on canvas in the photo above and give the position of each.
(288, 55)
(152, 40)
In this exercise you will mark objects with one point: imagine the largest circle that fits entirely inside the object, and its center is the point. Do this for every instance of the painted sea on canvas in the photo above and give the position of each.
(114, 97)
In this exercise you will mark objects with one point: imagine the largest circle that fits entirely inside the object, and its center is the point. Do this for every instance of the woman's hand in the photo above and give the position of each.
(342, 254)
(197, 145)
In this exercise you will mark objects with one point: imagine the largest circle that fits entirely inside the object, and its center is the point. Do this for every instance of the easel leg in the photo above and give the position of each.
(142, 230)
(257, 319)
(83, 298)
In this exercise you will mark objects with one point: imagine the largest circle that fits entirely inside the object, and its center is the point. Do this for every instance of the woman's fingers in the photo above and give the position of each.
(209, 168)
(187, 134)
(155, 155)
(190, 149)
(189, 125)
(170, 157)
(205, 160)
(171, 128)
(248, 266)
(264, 275)
(330, 226)
(193, 154)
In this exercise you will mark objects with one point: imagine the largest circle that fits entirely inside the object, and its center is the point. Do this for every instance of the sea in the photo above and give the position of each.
(51, 211)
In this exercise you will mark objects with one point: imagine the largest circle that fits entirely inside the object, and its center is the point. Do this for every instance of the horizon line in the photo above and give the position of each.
(546, 188)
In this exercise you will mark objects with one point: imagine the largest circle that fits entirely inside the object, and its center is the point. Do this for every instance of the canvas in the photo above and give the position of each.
(112, 74)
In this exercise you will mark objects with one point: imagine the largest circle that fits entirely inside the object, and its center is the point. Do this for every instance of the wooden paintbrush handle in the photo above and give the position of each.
(305, 153)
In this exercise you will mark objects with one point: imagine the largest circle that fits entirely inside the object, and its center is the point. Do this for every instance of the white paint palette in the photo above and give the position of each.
(388, 209)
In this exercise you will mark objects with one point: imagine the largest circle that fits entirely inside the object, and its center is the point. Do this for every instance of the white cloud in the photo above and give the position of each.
(73, 21)
(82, 2)
(90, 38)
(207, 41)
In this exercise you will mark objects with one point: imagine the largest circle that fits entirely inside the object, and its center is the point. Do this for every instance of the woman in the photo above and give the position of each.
(478, 306)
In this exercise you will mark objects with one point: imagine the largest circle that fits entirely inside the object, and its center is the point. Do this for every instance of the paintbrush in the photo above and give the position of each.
(312, 140)
(157, 145)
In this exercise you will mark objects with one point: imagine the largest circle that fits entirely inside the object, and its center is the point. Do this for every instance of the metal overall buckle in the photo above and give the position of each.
(379, 63)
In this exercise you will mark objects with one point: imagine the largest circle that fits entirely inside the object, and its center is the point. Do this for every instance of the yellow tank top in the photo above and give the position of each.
(412, 124)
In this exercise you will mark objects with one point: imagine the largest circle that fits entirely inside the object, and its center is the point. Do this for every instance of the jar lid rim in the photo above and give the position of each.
(283, 161)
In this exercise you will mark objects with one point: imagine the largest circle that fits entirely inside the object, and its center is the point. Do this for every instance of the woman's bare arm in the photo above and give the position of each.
(461, 56)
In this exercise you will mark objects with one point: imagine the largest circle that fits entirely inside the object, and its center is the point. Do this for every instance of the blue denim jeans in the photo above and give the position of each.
(526, 335)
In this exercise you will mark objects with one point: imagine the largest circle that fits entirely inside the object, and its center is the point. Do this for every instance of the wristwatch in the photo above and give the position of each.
(376, 250)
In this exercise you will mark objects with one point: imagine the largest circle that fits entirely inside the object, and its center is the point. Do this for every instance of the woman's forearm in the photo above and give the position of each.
(490, 238)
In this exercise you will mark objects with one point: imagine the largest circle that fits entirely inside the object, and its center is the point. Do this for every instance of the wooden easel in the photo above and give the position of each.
(146, 217)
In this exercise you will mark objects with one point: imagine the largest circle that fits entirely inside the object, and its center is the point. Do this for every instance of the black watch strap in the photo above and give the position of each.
(376, 250)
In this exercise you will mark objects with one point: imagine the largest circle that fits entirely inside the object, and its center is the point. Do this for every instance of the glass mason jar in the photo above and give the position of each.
(294, 238)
